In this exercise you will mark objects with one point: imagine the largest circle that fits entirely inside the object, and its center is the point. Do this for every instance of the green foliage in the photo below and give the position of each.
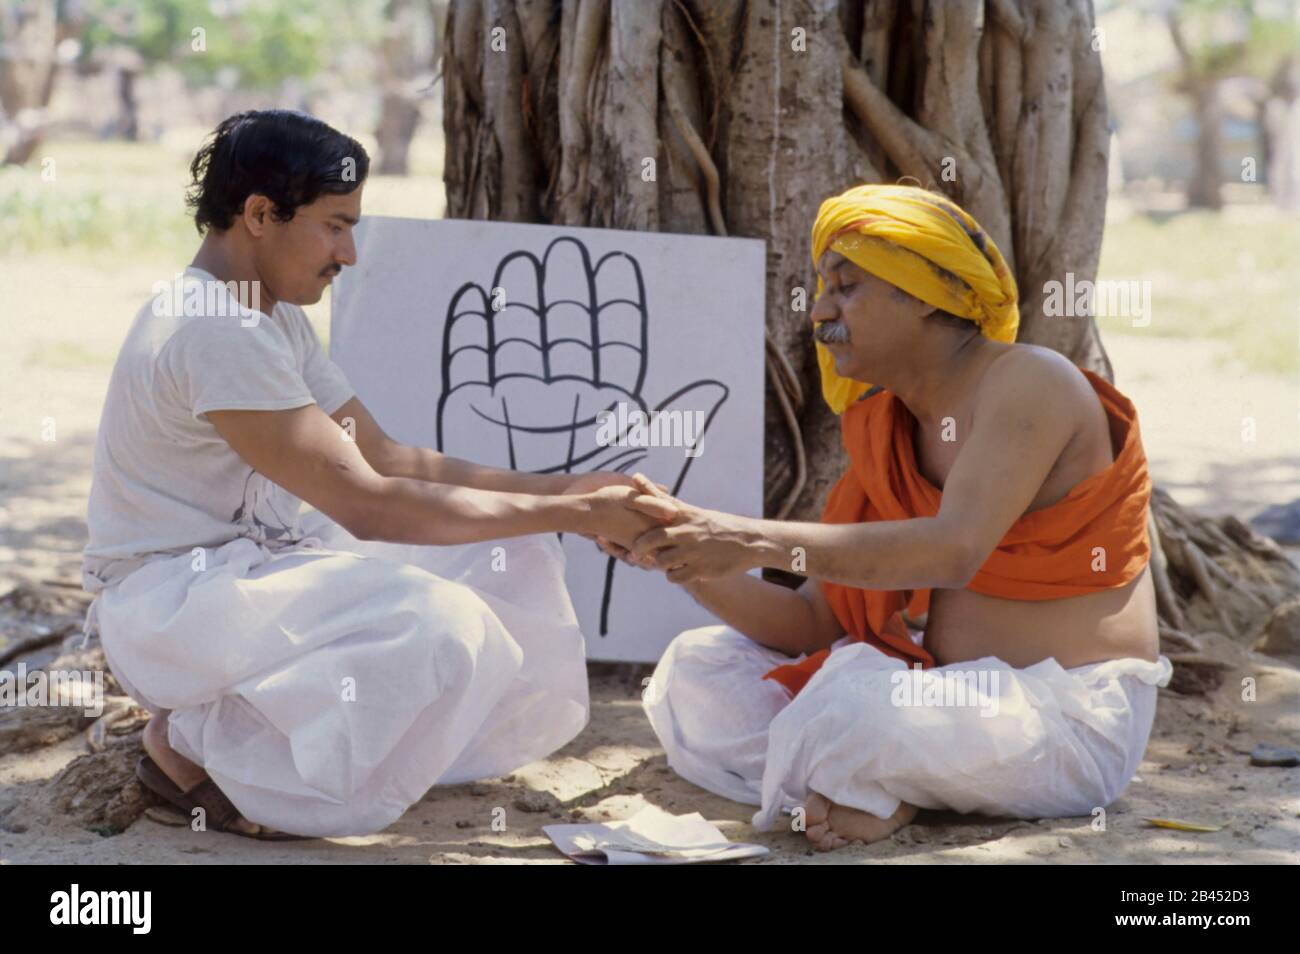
(255, 44)
(1236, 37)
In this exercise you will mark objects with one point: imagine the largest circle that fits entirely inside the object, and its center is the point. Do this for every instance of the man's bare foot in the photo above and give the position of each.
(831, 826)
(181, 770)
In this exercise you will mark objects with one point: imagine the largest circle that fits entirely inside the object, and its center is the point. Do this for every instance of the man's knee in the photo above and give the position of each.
(712, 677)
(457, 632)
(719, 645)
(705, 658)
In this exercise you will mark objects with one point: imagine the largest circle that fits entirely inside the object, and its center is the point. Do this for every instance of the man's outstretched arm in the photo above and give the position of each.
(1023, 420)
(304, 452)
(394, 459)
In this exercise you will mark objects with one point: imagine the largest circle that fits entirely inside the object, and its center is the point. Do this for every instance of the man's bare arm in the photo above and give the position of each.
(1023, 420)
(775, 616)
(394, 459)
(305, 452)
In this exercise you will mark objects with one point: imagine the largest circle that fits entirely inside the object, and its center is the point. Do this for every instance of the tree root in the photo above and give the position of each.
(1216, 574)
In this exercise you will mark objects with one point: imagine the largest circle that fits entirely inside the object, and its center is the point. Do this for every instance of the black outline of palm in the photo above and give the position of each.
(623, 457)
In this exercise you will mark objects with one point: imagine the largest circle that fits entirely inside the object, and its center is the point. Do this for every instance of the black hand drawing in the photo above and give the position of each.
(540, 367)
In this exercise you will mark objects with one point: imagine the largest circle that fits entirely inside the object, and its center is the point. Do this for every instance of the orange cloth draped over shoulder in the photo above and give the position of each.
(1047, 554)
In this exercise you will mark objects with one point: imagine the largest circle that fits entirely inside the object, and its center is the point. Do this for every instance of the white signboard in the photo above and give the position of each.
(552, 349)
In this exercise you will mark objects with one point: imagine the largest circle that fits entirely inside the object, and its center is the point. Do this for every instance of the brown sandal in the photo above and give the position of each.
(219, 812)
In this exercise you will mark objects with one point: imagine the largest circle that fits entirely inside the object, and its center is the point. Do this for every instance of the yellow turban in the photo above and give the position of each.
(924, 244)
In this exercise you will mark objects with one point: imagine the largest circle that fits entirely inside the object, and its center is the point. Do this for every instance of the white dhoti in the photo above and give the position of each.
(326, 686)
(869, 733)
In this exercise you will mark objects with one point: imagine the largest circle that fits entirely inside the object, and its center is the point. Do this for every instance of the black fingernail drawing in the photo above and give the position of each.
(540, 371)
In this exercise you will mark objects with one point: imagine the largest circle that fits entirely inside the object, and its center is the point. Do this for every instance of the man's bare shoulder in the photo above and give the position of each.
(1039, 391)
(1044, 382)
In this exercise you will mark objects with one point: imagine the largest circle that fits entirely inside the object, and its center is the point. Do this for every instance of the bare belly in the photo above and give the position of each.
(1078, 630)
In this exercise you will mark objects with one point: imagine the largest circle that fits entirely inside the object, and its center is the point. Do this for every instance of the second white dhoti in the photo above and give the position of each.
(326, 686)
(868, 733)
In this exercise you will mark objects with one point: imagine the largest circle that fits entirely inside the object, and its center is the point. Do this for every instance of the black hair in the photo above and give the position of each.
(287, 156)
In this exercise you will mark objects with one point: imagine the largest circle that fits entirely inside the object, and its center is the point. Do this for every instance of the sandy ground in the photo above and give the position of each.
(1196, 766)
(1195, 769)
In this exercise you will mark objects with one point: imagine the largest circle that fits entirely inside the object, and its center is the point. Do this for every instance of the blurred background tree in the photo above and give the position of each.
(410, 50)
(1221, 40)
(296, 50)
(35, 37)
(225, 43)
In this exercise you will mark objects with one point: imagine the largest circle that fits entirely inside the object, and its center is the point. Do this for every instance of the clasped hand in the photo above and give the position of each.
(647, 527)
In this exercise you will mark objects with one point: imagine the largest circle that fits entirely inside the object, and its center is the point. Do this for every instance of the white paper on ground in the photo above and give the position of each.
(650, 837)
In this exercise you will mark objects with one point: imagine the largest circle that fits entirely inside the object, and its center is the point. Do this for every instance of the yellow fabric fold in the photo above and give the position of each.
(925, 244)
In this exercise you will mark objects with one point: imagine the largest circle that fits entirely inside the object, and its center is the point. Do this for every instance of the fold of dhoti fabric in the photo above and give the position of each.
(710, 713)
(326, 686)
(867, 732)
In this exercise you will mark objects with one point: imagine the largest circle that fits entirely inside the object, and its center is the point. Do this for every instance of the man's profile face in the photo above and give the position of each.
(298, 258)
(863, 320)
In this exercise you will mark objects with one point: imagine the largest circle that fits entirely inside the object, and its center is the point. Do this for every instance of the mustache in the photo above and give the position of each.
(331, 270)
(832, 332)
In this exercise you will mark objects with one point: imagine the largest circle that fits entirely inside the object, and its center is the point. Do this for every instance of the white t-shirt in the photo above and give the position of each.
(164, 480)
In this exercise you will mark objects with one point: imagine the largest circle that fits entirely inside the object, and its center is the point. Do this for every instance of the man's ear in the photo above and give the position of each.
(257, 214)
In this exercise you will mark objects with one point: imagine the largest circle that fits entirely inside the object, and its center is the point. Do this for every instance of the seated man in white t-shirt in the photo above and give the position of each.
(314, 675)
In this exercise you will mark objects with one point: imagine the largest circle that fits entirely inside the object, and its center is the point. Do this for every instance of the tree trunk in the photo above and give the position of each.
(29, 33)
(1202, 86)
(754, 112)
(1205, 190)
(403, 56)
(1279, 131)
(129, 122)
(399, 115)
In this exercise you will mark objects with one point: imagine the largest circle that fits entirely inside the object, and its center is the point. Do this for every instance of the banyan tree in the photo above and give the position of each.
(748, 114)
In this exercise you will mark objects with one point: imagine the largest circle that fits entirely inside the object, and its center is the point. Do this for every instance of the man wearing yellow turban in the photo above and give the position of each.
(924, 246)
(993, 490)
